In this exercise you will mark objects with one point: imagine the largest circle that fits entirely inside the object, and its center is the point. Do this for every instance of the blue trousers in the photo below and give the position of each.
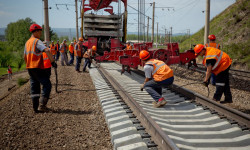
(155, 88)
(57, 55)
(78, 62)
(71, 58)
(87, 63)
(40, 77)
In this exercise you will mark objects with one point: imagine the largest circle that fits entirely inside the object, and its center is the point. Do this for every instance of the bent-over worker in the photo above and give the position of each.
(217, 62)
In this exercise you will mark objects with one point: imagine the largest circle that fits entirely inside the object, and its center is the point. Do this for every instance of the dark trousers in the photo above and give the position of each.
(71, 58)
(155, 88)
(40, 77)
(78, 62)
(87, 63)
(222, 86)
(57, 55)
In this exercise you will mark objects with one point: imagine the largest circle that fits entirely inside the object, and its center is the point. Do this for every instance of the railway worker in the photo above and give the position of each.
(71, 52)
(46, 62)
(89, 55)
(53, 49)
(57, 47)
(63, 51)
(129, 46)
(158, 75)
(212, 43)
(9, 70)
(79, 51)
(34, 63)
(219, 63)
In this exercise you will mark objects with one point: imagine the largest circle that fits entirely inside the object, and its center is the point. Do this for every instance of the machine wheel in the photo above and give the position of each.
(162, 54)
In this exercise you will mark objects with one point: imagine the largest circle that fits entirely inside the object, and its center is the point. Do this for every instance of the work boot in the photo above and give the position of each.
(43, 107)
(161, 102)
(35, 102)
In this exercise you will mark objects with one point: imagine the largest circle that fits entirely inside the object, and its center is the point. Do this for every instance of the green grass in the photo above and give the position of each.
(3, 70)
(22, 81)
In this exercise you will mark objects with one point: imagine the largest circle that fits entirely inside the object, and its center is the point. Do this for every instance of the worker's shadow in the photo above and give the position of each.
(70, 112)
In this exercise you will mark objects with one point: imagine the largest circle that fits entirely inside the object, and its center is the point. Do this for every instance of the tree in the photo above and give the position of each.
(52, 35)
(18, 33)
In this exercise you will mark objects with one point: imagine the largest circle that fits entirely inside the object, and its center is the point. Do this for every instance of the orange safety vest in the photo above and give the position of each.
(215, 45)
(32, 56)
(46, 61)
(71, 49)
(161, 70)
(57, 46)
(129, 47)
(223, 61)
(89, 53)
(52, 49)
(78, 51)
(64, 48)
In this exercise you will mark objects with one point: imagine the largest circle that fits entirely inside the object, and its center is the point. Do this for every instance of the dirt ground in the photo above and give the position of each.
(75, 121)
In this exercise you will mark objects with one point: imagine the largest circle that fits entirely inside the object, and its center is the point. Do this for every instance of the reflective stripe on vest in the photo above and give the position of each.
(52, 49)
(32, 56)
(78, 51)
(215, 45)
(46, 61)
(223, 61)
(161, 70)
(63, 48)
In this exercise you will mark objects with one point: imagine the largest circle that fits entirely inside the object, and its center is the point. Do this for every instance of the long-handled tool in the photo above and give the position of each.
(55, 69)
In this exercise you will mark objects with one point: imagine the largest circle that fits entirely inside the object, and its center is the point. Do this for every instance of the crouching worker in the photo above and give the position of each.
(33, 56)
(158, 75)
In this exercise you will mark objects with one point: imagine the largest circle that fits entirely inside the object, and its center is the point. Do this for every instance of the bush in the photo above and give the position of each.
(22, 81)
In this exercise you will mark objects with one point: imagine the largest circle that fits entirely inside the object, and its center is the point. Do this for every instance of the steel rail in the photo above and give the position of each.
(158, 135)
(234, 115)
(230, 113)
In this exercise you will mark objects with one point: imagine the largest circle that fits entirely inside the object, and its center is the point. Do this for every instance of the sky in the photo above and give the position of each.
(185, 14)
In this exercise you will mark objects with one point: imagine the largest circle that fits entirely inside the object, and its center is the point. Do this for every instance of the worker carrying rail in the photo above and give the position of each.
(158, 75)
(33, 56)
(219, 63)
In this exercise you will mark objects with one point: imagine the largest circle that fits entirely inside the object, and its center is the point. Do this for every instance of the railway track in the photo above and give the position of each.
(188, 121)
(233, 72)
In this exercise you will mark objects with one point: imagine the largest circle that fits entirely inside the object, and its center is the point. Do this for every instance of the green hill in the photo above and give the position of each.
(231, 28)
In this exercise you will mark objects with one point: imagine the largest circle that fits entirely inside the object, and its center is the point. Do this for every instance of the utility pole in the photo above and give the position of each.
(170, 36)
(46, 21)
(165, 35)
(147, 29)
(207, 22)
(157, 35)
(188, 32)
(153, 22)
(77, 35)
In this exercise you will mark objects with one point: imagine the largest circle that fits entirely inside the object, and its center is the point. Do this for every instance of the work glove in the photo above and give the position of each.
(142, 86)
(205, 83)
(54, 64)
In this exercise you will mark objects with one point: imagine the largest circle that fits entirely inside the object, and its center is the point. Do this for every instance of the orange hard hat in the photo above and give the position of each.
(198, 48)
(94, 48)
(34, 27)
(144, 55)
(80, 39)
(211, 37)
